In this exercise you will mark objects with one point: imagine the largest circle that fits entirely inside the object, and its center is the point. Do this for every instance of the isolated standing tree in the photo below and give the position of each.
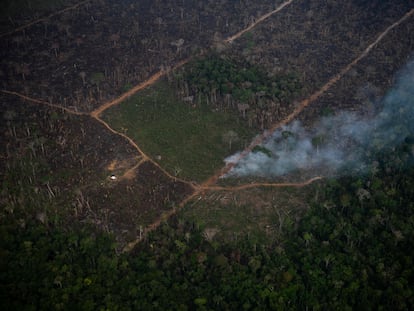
(178, 44)
(55, 47)
(82, 74)
(242, 109)
(230, 137)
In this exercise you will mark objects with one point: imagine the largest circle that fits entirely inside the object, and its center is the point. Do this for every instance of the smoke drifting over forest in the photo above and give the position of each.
(339, 142)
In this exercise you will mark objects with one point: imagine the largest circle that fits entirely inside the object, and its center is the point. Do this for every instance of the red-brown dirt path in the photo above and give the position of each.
(258, 21)
(42, 102)
(208, 185)
(154, 78)
(257, 185)
(304, 103)
(150, 81)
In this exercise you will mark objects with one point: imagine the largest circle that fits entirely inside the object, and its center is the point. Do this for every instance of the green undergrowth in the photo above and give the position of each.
(351, 250)
(243, 81)
(262, 214)
(228, 222)
(189, 141)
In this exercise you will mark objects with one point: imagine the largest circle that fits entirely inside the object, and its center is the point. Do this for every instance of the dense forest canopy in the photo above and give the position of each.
(352, 250)
(94, 206)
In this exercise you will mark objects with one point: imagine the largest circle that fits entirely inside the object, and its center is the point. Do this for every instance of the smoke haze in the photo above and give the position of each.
(335, 142)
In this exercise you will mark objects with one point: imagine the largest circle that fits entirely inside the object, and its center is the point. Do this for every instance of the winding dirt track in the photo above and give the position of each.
(150, 81)
(154, 78)
(143, 156)
(95, 114)
(41, 102)
(304, 103)
(208, 185)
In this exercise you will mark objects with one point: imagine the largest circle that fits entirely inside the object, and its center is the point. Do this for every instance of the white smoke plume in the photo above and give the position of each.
(335, 142)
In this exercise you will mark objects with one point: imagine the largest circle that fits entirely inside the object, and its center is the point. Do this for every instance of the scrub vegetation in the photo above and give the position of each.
(190, 140)
(113, 204)
(353, 248)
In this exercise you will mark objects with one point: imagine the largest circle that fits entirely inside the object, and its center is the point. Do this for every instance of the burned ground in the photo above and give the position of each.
(91, 54)
(53, 158)
(87, 56)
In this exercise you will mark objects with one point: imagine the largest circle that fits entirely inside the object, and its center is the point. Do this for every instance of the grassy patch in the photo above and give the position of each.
(263, 214)
(232, 221)
(189, 141)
